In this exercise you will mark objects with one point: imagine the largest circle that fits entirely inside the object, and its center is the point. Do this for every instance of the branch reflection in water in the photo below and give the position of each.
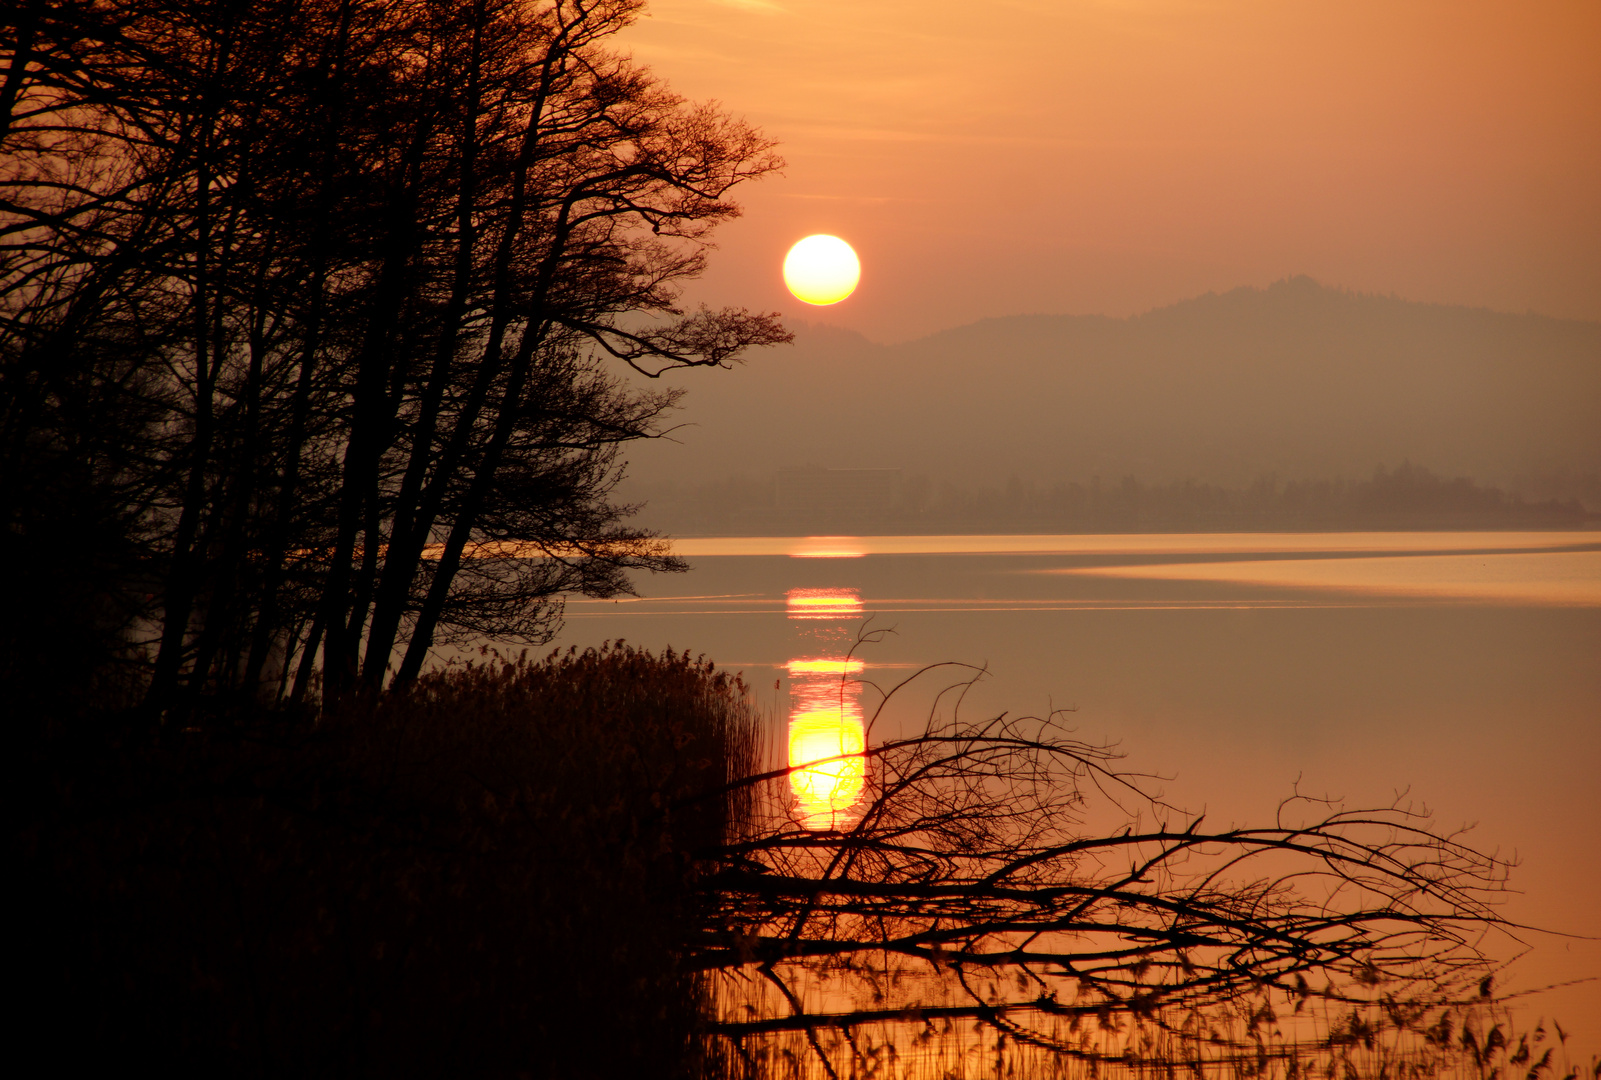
(994, 897)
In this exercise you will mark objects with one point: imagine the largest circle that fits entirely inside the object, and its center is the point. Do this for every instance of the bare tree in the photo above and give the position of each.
(80, 154)
(1004, 873)
(366, 277)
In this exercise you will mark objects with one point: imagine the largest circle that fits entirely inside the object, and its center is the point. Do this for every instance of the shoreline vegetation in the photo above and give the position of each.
(590, 865)
(472, 878)
(1407, 497)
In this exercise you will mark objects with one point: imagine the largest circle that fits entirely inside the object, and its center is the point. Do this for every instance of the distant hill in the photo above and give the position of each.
(1295, 380)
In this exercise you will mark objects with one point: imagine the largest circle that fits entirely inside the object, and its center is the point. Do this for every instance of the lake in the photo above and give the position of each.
(1456, 671)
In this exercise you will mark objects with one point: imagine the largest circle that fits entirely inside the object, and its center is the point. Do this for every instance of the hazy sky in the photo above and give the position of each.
(1008, 156)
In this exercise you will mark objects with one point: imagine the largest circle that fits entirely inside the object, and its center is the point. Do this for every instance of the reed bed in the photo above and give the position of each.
(485, 876)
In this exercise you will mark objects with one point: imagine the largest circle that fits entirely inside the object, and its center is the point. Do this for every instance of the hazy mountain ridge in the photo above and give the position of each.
(1295, 380)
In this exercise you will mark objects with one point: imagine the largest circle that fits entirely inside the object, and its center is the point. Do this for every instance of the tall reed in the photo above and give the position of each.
(489, 875)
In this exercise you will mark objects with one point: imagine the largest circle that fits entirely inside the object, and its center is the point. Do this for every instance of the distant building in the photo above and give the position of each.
(835, 494)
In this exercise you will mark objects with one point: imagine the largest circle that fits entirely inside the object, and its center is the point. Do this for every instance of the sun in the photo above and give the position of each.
(822, 270)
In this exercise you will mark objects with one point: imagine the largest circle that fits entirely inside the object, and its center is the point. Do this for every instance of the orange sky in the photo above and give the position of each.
(1111, 156)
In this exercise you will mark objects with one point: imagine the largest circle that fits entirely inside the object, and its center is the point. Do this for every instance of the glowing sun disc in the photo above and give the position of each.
(822, 270)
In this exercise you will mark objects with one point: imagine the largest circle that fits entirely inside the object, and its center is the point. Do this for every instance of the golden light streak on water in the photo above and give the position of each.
(827, 547)
(825, 667)
(1570, 578)
(834, 739)
(823, 603)
(826, 734)
(1133, 543)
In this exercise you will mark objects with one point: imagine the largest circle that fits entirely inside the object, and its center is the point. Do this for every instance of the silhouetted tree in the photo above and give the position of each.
(357, 278)
(79, 398)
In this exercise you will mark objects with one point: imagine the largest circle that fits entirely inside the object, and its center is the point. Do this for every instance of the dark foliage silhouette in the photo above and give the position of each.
(327, 306)
(484, 877)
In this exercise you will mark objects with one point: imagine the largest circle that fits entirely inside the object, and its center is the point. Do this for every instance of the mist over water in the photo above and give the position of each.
(1450, 671)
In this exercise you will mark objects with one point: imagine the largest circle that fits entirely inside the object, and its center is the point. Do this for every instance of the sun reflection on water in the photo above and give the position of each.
(827, 737)
(823, 604)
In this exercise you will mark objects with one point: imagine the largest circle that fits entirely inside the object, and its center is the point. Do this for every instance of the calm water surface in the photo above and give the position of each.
(1457, 671)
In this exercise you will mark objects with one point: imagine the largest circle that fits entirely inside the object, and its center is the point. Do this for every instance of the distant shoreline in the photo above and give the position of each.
(886, 502)
(1590, 523)
(1348, 542)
